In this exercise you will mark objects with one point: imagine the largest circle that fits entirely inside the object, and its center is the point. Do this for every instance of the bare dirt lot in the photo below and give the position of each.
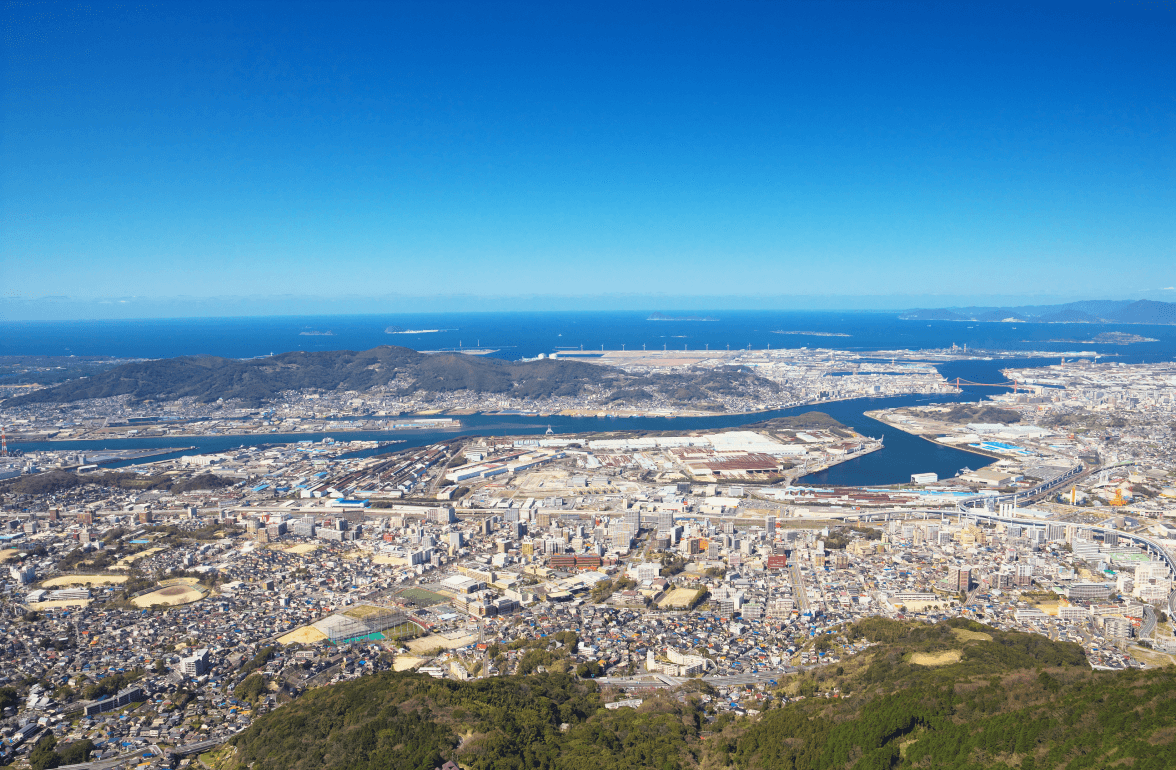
(406, 662)
(308, 635)
(679, 597)
(57, 604)
(180, 593)
(431, 642)
(81, 580)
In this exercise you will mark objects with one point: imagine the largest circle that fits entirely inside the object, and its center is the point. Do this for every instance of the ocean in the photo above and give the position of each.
(527, 334)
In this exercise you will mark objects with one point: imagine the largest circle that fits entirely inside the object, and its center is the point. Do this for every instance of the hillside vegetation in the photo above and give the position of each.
(49, 370)
(1011, 700)
(795, 422)
(982, 413)
(398, 371)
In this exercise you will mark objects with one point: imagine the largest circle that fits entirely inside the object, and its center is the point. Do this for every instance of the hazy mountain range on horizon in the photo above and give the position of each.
(963, 306)
(1142, 311)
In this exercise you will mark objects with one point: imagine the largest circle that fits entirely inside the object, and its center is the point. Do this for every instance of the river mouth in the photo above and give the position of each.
(901, 455)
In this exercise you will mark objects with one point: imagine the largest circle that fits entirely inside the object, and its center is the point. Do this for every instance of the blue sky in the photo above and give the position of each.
(759, 149)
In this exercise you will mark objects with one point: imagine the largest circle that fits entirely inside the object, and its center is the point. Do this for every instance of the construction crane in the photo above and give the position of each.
(1118, 500)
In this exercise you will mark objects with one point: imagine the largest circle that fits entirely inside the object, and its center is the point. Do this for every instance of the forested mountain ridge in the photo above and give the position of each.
(1009, 700)
(396, 369)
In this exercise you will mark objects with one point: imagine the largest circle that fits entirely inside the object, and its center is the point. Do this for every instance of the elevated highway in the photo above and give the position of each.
(1029, 495)
(1154, 549)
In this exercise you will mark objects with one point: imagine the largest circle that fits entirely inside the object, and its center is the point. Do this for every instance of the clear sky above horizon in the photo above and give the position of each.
(585, 149)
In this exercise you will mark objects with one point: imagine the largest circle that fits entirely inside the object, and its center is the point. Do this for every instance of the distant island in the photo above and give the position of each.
(317, 334)
(399, 330)
(664, 317)
(1112, 338)
(816, 334)
(1144, 311)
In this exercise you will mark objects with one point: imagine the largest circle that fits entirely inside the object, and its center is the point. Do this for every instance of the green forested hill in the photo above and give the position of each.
(207, 378)
(412, 721)
(398, 370)
(1010, 700)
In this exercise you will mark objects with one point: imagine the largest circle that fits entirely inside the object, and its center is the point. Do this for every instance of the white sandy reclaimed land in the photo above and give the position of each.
(57, 604)
(81, 580)
(170, 595)
(433, 641)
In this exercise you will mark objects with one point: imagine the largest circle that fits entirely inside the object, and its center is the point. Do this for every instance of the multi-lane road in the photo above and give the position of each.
(801, 595)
